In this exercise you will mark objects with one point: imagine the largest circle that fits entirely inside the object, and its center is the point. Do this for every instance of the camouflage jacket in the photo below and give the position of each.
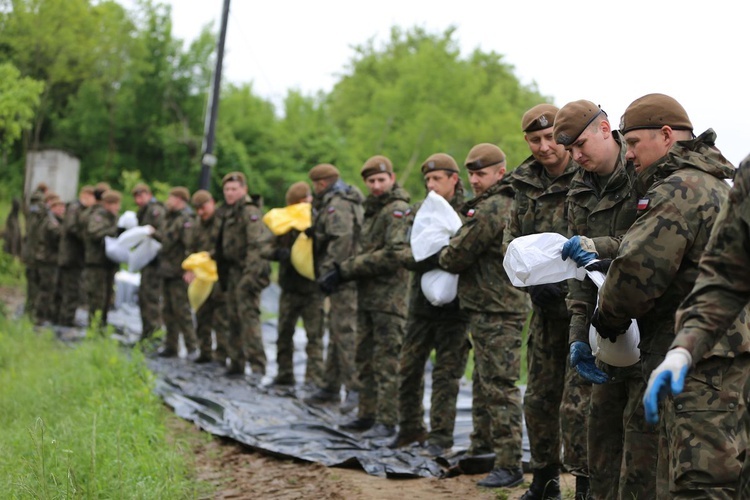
(71, 239)
(657, 264)
(204, 236)
(99, 223)
(710, 321)
(381, 279)
(476, 254)
(604, 217)
(152, 214)
(174, 236)
(289, 279)
(35, 214)
(539, 206)
(48, 244)
(337, 222)
(245, 242)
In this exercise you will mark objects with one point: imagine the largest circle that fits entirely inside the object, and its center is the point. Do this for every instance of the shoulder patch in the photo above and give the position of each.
(155, 212)
(643, 203)
(253, 218)
(471, 212)
(187, 224)
(408, 212)
(331, 210)
(398, 214)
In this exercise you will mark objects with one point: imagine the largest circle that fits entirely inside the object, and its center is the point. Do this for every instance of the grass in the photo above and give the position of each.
(83, 422)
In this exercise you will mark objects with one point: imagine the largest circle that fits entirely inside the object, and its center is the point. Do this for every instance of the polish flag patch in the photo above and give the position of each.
(398, 214)
(643, 203)
(471, 213)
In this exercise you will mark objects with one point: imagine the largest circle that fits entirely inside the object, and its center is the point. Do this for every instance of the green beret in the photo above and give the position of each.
(297, 192)
(539, 117)
(323, 171)
(234, 177)
(378, 164)
(654, 111)
(572, 120)
(439, 161)
(200, 197)
(180, 192)
(484, 155)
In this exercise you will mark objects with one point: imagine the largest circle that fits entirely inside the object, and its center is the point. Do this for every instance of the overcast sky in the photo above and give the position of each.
(608, 52)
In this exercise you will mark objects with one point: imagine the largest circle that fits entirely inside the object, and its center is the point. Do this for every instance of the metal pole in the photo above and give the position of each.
(208, 160)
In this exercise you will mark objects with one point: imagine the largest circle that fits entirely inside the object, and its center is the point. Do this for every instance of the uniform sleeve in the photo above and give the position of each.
(340, 227)
(98, 227)
(471, 241)
(581, 297)
(514, 224)
(607, 246)
(259, 242)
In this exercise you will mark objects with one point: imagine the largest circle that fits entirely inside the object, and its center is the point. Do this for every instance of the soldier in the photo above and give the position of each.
(72, 256)
(245, 246)
(681, 183)
(12, 239)
(601, 207)
(35, 213)
(556, 401)
(337, 222)
(381, 298)
(174, 236)
(150, 213)
(497, 312)
(212, 315)
(300, 297)
(429, 327)
(101, 221)
(45, 255)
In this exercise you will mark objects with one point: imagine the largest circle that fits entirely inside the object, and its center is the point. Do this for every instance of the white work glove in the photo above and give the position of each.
(667, 378)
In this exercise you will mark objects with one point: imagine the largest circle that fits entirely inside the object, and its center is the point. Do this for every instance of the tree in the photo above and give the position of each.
(18, 98)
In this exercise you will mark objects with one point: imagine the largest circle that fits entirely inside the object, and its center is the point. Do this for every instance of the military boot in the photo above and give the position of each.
(545, 485)
(502, 477)
(407, 437)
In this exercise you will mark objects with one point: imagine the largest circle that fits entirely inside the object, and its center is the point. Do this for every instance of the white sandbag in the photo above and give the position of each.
(128, 220)
(536, 259)
(434, 224)
(114, 251)
(130, 238)
(143, 254)
(439, 287)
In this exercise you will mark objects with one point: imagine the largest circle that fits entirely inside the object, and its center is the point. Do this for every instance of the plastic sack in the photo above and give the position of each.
(434, 224)
(206, 274)
(282, 220)
(302, 256)
(114, 251)
(536, 259)
(439, 287)
(143, 254)
(128, 220)
(625, 351)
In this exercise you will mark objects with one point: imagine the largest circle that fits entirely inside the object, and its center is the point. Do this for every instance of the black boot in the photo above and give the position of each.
(545, 485)
(583, 490)
(502, 477)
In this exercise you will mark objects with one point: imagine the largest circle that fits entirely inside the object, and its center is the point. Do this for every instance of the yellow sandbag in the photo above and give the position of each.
(198, 292)
(302, 256)
(206, 274)
(282, 220)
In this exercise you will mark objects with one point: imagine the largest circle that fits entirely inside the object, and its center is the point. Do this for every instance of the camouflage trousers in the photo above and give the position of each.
(450, 340)
(100, 283)
(177, 316)
(379, 339)
(245, 336)
(69, 286)
(342, 331)
(45, 308)
(703, 436)
(212, 316)
(496, 400)
(32, 288)
(149, 300)
(556, 401)
(309, 307)
(622, 446)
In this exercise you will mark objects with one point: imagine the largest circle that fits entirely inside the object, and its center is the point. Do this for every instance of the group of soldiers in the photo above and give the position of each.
(646, 204)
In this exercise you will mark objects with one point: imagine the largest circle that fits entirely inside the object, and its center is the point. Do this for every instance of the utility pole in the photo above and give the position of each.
(208, 160)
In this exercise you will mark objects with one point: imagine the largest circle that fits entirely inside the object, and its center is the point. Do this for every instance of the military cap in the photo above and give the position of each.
(484, 155)
(378, 164)
(111, 196)
(200, 197)
(88, 189)
(55, 200)
(572, 120)
(655, 111)
(297, 192)
(102, 186)
(140, 188)
(323, 171)
(50, 195)
(235, 176)
(439, 161)
(539, 117)
(180, 192)
(42, 186)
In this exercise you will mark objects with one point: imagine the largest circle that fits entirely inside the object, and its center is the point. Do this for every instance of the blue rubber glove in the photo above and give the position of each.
(667, 378)
(580, 249)
(583, 361)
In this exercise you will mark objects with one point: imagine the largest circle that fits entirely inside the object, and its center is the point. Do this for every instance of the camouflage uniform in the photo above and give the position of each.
(245, 245)
(655, 269)
(35, 214)
(212, 315)
(721, 294)
(300, 297)
(71, 261)
(622, 447)
(444, 329)
(556, 398)
(150, 291)
(497, 311)
(45, 255)
(337, 222)
(381, 302)
(174, 236)
(100, 271)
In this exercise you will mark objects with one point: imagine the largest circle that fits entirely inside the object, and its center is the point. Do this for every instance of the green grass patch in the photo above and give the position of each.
(84, 422)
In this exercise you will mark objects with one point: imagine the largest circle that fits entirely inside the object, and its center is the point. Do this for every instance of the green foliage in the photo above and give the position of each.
(18, 98)
(82, 422)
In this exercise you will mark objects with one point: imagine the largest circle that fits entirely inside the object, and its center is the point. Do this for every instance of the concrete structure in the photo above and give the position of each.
(58, 169)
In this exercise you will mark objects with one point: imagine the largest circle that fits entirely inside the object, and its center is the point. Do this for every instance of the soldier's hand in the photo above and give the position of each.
(583, 361)
(599, 265)
(188, 277)
(329, 282)
(667, 378)
(606, 330)
(580, 249)
(310, 232)
(546, 295)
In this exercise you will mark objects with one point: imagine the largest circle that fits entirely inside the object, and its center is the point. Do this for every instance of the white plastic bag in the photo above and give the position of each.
(625, 351)
(114, 251)
(439, 287)
(536, 259)
(134, 246)
(143, 254)
(128, 220)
